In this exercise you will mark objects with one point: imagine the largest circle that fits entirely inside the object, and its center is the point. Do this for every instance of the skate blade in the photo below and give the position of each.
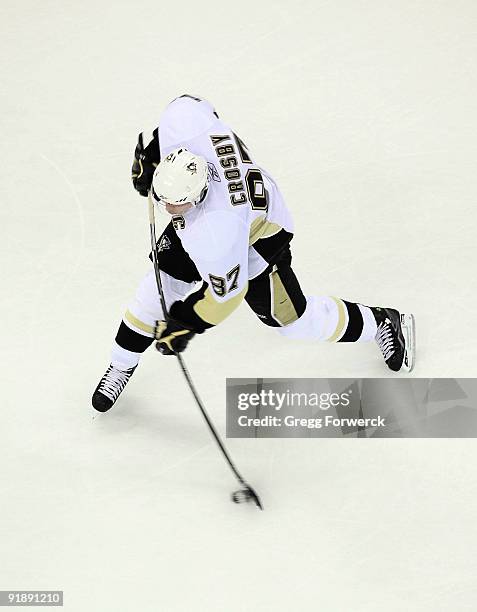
(408, 327)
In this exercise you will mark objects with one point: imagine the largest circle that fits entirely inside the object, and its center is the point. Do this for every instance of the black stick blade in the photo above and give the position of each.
(245, 495)
(255, 497)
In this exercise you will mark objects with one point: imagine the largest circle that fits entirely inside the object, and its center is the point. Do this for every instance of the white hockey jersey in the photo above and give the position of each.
(243, 206)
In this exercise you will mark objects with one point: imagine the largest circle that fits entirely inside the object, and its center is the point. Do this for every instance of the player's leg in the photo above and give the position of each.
(275, 295)
(337, 320)
(277, 299)
(135, 335)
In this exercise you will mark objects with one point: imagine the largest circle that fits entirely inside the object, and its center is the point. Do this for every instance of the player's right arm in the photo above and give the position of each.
(203, 308)
(218, 245)
(147, 155)
(199, 311)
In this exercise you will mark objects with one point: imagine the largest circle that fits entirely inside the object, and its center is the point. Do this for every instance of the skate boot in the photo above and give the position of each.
(110, 387)
(396, 338)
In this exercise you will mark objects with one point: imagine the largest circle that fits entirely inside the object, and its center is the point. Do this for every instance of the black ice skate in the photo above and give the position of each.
(110, 387)
(396, 338)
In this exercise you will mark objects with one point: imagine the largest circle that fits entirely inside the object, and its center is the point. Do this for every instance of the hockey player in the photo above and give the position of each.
(228, 241)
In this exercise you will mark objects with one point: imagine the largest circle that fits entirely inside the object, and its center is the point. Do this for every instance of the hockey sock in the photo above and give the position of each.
(128, 347)
(356, 323)
(334, 320)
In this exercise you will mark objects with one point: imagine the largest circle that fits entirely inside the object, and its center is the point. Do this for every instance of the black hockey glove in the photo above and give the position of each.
(146, 159)
(172, 337)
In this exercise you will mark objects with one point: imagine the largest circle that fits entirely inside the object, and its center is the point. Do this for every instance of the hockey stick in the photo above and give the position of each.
(247, 493)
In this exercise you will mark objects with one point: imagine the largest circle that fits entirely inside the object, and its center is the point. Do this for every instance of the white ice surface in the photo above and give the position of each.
(365, 113)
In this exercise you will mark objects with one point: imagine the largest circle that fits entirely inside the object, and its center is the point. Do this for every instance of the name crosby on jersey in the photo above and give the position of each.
(227, 156)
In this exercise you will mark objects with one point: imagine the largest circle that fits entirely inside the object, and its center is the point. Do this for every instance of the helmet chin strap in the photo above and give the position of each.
(203, 195)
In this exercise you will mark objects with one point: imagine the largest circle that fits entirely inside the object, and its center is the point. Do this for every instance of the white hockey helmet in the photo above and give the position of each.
(180, 177)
